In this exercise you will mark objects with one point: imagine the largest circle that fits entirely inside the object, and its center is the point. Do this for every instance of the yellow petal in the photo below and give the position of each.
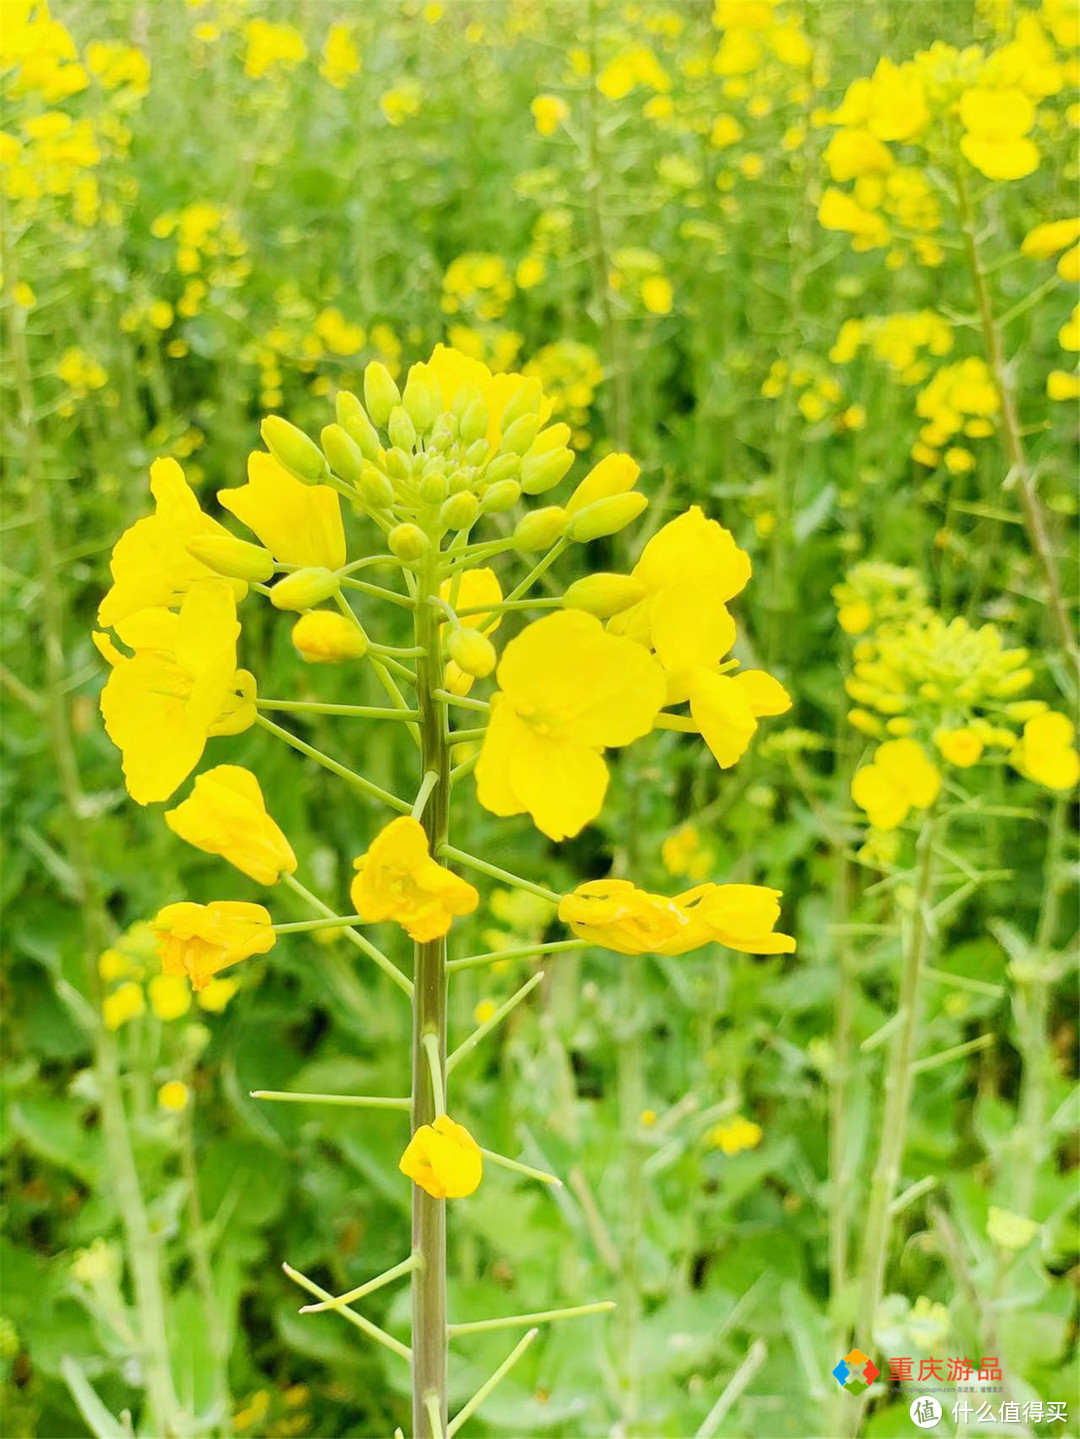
(723, 714)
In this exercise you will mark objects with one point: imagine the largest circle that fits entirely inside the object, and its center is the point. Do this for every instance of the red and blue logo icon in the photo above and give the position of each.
(855, 1372)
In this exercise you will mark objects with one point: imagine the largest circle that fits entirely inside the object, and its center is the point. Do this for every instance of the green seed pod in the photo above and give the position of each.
(472, 652)
(292, 449)
(503, 495)
(352, 417)
(474, 422)
(605, 517)
(544, 471)
(401, 429)
(235, 559)
(375, 487)
(517, 439)
(539, 529)
(603, 595)
(407, 541)
(503, 467)
(422, 398)
(304, 589)
(343, 454)
(525, 402)
(434, 488)
(380, 393)
(460, 510)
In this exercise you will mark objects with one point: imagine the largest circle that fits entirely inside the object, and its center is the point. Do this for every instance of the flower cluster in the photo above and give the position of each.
(902, 342)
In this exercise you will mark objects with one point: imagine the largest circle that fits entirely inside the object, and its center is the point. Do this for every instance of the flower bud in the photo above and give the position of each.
(614, 475)
(441, 436)
(422, 398)
(477, 452)
(503, 467)
(474, 422)
(434, 488)
(517, 439)
(401, 429)
(603, 595)
(502, 495)
(375, 487)
(235, 559)
(398, 464)
(324, 637)
(380, 393)
(343, 454)
(539, 529)
(407, 541)
(472, 652)
(292, 449)
(352, 417)
(605, 517)
(304, 589)
(460, 511)
(455, 679)
(526, 401)
(542, 472)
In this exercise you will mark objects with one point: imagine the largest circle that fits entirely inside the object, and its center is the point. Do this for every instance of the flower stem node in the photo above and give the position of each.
(293, 450)
(472, 652)
(603, 595)
(408, 542)
(304, 589)
(323, 637)
(233, 559)
(352, 417)
(380, 393)
(539, 529)
(343, 454)
(605, 517)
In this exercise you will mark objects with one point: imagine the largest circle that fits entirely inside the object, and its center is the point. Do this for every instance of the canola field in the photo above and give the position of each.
(539, 756)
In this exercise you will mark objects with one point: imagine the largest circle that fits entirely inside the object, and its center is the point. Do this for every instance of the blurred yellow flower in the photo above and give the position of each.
(170, 996)
(1046, 751)
(548, 111)
(269, 46)
(125, 1003)
(340, 58)
(734, 1135)
(996, 124)
(174, 1094)
(898, 779)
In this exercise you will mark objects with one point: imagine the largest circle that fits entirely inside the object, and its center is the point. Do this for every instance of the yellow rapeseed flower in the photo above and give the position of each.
(174, 1096)
(299, 524)
(899, 778)
(443, 1159)
(1046, 751)
(548, 111)
(199, 940)
(170, 996)
(734, 1135)
(125, 1003)
(226, 815)
(614, 914)
(398, 879)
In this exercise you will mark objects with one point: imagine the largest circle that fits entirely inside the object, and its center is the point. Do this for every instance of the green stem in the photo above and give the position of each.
(485, 1389)
(387, 966)
(525, 951)
(346, 1101)
(387, 1277)
(364, 1325)
(429, 1021)
(355, 711)
(470, 861)
(199, 1239)
(423, 794)
(542, 1316)
(1019, 469)
(899, 1083)
(342, 771)
(483, 1030)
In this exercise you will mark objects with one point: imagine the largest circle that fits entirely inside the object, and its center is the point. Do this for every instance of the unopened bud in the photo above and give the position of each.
(304, 589)
(503, 495)
(434, 488)
(503, 467)
(477, 453)
(605, 517)
(375, 487)
(539, 529)
(380, 393)
(422, 398)
(352, 417)
(235, 559)
(323, 637)
(455, 679)
(526, 401)
(474, 422)
(460, 511)
(544, 471)
(407, 541)
(517, 439)
(472, 652)
(614, 475)
(343, 454)
(397, 464)
(401, 429)
(604, 595)
(292, 449)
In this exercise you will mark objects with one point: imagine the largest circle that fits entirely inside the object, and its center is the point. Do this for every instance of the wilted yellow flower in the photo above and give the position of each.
(616, 915)
(398, 879)
(150, 563)
(199, 940)
(299, 524)
(898, 779)
(739, 916)
(567, 692)
(444, 1159)
(161, 705)
(226, 815)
